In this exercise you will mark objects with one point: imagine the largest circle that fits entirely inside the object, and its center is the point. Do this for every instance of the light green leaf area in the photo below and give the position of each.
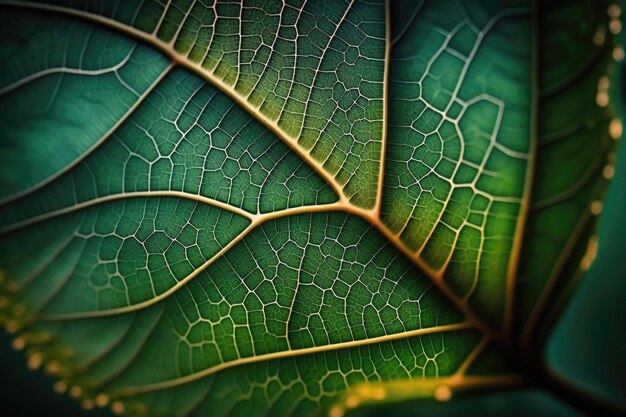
(250, 209)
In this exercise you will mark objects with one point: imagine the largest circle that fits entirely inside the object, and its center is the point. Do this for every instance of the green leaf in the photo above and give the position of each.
(287, 209)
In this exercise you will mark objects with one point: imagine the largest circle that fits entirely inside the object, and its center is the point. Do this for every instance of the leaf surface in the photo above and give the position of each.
(252, 209)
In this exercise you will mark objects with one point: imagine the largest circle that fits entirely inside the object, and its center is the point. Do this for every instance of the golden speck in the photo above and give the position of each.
(102, 400)
(608, 172)
(53, 367)
(618, 53)
(604, 82)
(34, 361)
(596, 207)
(590, 254)
(76, 391)
(600, 36)
(615, 128)
(19, 343)
(12, 326)
(117, 408)
(615, 26)
(614, 11)
(3, 302)
(87, 404)
(336, 411)
(60, 387)
(602, 99)
(443, 393)
(352, 401)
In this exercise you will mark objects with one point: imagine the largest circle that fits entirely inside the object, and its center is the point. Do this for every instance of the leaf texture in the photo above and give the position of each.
(254, 208)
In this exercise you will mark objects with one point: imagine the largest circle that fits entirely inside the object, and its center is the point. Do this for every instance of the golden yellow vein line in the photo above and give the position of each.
(383, 145)
(122, 196)
(288, 354)
(125, 117)
(514, 259)
(261, 218)
(183, 61)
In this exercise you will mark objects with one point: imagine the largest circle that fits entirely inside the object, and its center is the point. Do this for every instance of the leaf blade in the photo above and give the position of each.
(267, 174)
